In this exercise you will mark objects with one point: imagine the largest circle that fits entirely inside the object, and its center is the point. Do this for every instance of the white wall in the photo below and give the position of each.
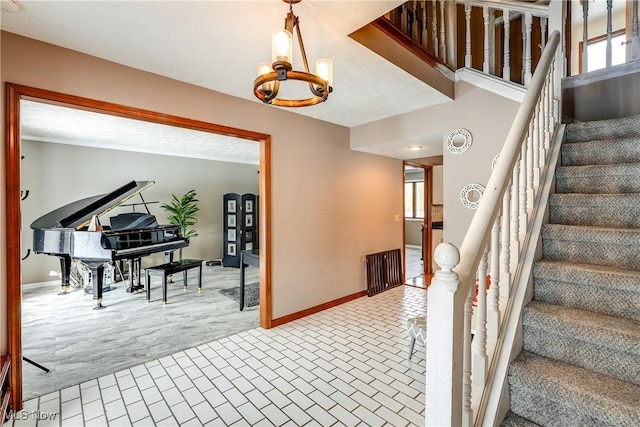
(330, 206)
(57, 174)
(484, 114)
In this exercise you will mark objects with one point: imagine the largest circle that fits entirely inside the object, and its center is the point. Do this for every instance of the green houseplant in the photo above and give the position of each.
(182, 212)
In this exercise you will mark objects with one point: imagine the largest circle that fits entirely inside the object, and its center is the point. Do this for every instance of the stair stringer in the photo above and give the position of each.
(494, 404)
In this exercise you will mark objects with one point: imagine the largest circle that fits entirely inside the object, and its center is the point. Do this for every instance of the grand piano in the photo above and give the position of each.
(64, 233)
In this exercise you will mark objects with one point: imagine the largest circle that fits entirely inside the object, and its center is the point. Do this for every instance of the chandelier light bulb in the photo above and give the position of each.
(281, 48)
(324, 70)
(265, 68)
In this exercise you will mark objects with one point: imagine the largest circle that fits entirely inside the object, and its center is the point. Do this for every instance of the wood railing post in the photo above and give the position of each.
(444, 352)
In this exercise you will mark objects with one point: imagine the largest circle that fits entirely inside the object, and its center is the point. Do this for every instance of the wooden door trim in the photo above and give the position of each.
(14, 94)
(426, 221)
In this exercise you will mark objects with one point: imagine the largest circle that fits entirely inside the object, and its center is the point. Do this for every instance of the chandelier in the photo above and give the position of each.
(267, 84)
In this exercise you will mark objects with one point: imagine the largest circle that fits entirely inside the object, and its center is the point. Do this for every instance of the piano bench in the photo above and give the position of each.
(165, 270)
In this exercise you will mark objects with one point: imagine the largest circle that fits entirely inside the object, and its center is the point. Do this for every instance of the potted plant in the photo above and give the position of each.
(182, 212)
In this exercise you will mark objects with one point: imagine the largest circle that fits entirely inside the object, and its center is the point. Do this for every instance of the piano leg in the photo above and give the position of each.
(97, 274)
(65, 274)
(134, 276)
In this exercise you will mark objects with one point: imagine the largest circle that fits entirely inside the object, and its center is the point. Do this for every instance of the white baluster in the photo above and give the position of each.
(479, 344)
(443, 40)
(535, 148)
(506, 65)
(530, 150)
(493, 310)
(505, 253)
(522, 191)
(434, 27)
(528, 20)
(547, 114)
(542, 158)
(467, 412)
(444, 369)
(635, 36)
(585, 36)
(543, 32)
(485, 60)
(609, 32)
(514, 211)
(467, 18)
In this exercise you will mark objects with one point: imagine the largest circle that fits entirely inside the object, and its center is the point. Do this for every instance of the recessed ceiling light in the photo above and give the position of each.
(415, 147)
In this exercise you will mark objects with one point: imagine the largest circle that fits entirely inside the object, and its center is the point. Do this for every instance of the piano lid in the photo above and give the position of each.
(79, 213)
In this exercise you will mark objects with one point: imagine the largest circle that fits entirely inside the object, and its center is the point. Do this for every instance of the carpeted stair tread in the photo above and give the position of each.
(588, 274)
(606, 344)
(601, 289)
(599, 179)
(616, 247)
(575, 390)
(603, 129)
(607, 152)
(513, 420)
(613, 210)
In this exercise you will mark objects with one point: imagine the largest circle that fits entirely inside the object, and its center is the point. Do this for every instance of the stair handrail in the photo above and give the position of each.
(456, 374)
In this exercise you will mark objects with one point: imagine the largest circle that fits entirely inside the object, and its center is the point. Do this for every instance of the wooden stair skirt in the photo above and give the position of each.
(384, 271)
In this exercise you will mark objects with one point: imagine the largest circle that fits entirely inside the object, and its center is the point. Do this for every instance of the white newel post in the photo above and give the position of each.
(444, 352)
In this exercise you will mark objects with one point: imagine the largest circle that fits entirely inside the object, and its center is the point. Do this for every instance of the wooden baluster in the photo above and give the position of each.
(493, 309)
(467, 412)
(443, 40)
(434, 27)
(424, 35)
(505, 253)
(485, 60)
(506, 65)
(404, 21)
(528, 21)
(585, 35)
(609, 32)
(515, 212)
(479, 344)
(635, 36)
(467, 18)
(522, 191)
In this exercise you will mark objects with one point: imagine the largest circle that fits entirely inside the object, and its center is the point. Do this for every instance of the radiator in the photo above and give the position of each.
(384, 271)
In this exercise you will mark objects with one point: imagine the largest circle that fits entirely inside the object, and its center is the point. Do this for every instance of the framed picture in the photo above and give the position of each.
(231, 249)
(248, 220)
(248, 206)
(231, 205)
(231, 234)
(231, 220)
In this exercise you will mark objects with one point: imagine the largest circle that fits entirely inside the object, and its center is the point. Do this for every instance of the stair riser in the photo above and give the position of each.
(602, 216)
(613, 302)
(545, 411)
(599, 184)
(614, 362)
(601, 152)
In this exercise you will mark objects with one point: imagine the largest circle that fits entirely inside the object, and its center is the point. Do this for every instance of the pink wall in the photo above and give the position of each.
(330, 205)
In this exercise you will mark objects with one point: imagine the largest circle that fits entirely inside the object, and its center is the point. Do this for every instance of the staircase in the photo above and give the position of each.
(580, 363)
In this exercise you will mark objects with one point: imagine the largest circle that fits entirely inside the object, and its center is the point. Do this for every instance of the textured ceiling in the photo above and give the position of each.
(50, 123)
(222, 42)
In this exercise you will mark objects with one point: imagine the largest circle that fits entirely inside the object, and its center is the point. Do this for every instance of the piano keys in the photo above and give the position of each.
(64, 233)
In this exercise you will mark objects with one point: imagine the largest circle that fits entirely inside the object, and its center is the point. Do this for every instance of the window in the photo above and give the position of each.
(414, 199)
(597, 51)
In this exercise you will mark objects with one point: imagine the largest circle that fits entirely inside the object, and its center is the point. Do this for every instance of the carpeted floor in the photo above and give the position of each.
(77, 344)
(251, 294)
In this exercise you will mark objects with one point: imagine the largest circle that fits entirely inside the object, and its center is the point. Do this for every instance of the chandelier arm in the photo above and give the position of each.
(320, 89)
(302, 51)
